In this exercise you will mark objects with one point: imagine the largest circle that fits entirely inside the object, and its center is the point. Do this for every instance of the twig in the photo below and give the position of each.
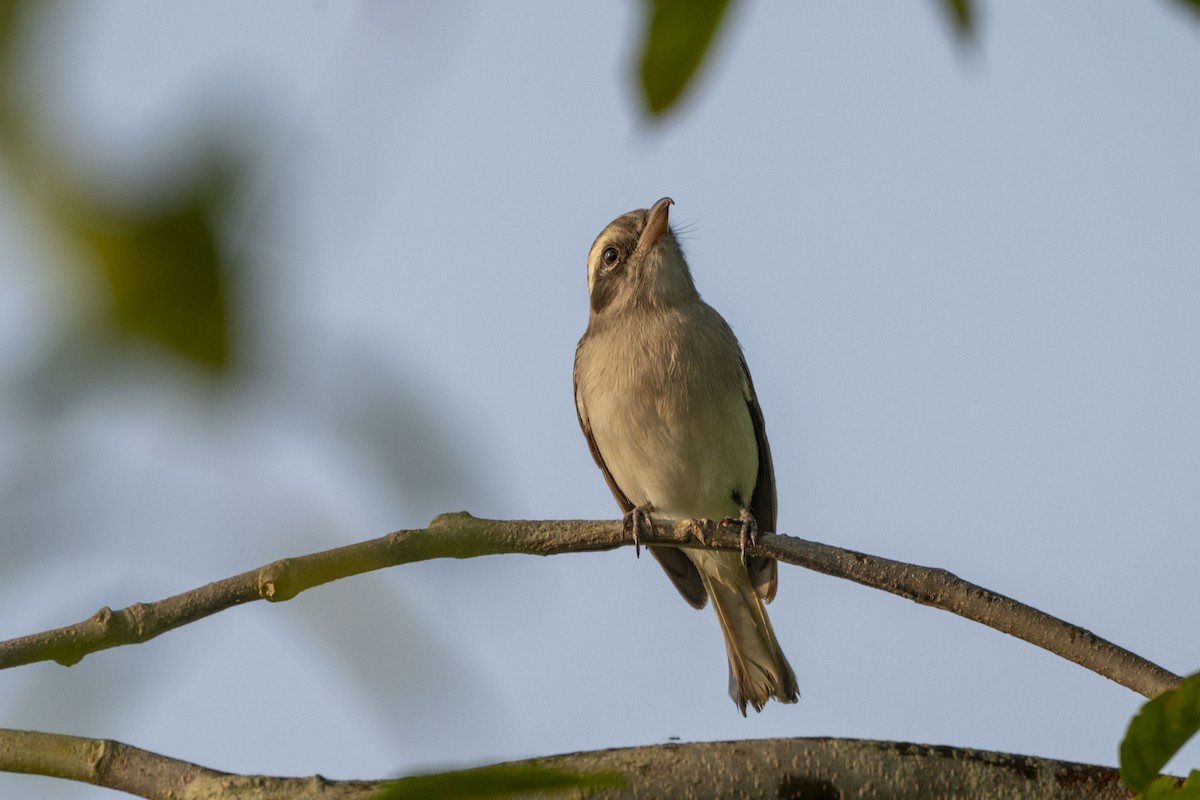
(112, 764)
(463, 536)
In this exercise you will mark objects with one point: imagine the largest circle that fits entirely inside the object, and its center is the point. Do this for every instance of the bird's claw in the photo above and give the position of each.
(636, 522)
(748, 527)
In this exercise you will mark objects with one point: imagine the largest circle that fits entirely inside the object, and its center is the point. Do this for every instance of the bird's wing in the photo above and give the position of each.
(763, 571)
(675, 563)
(683, 574)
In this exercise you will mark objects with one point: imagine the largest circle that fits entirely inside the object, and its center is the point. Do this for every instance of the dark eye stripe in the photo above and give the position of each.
(603, 290)
(609, 274)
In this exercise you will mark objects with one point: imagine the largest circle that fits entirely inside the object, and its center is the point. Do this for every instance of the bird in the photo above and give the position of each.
(666, 403)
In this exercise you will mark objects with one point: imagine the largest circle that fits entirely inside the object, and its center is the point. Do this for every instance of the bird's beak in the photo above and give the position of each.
(656, 225)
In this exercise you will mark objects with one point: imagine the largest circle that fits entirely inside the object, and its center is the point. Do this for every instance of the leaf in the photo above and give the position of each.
(1168, 788)
(163, 269)
(11, 13)
(14, 26)
(1160, 728)
(678, 34)
(496, 781)
(1192, 5)
(157, 259)
(962, 16)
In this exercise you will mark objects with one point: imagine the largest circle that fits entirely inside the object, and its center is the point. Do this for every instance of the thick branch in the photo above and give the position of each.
(464, 536)
(844, 768)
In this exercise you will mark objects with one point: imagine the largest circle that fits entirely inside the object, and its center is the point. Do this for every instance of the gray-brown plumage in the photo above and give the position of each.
(670, 415)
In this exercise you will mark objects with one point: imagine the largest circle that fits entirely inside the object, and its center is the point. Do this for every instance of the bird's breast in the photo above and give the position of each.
(667, 406)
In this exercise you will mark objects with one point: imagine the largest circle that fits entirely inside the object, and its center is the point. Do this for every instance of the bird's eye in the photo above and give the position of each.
(610, 256)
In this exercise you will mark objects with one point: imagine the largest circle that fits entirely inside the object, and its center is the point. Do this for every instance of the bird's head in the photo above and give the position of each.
(637, 260)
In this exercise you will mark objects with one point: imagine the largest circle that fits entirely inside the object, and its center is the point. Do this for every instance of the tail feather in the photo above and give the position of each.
(758, 670)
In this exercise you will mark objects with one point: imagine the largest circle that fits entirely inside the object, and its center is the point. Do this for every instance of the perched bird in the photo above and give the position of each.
(670, 415)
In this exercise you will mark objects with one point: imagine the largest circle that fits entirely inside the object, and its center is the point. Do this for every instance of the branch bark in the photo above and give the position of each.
(463, 536)
(114, 765)
(844, 768)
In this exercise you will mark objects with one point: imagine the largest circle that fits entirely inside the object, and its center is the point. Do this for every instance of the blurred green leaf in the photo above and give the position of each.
(678, 35)
(13, 19)
(1193, 5)
(496, 781)
(962, 17)
(159, 263)
(163, 269)
(1160, 728)
(10, 21)
(1168, 788)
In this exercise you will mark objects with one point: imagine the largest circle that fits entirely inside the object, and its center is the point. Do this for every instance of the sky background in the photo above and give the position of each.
(966, 281)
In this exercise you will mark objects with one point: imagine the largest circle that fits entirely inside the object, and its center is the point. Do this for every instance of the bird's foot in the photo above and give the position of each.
(637, 522)
(748, 527)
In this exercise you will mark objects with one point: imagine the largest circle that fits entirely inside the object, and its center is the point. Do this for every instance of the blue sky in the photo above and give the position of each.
(966, 281)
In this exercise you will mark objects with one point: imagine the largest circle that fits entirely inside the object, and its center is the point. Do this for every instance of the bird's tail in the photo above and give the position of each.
(758, 670)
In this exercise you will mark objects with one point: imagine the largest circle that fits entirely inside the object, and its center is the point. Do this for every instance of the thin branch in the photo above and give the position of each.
(463, 536)
(845, 768)
(112, 764)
